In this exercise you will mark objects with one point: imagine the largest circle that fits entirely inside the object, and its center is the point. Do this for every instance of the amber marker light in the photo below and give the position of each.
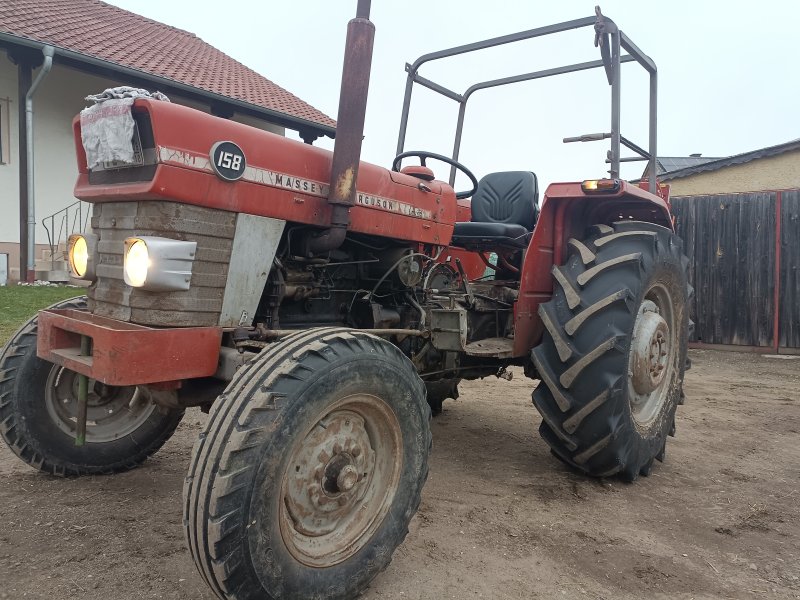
(596, 186)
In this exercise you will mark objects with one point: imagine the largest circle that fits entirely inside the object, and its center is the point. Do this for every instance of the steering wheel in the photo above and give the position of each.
(425, 155)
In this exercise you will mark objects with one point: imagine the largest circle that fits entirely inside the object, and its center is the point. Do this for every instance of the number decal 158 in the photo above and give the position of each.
(229, 160)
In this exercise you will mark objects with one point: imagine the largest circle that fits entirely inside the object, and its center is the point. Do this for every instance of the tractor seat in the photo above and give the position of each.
(504, 213)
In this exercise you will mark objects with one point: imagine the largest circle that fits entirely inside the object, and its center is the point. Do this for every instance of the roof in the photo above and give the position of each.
(667, 164)
(737, 159)
(98, 30)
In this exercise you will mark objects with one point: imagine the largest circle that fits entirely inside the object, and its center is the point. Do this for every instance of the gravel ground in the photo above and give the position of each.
(500, 518)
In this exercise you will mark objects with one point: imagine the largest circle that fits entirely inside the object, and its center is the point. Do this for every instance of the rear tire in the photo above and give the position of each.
(613, 354)
(309, 469)
(36, 414)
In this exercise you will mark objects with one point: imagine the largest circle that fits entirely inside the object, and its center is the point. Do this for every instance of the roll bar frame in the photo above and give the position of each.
(610, 40)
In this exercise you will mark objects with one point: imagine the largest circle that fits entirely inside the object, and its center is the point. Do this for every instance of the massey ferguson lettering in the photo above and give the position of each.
(401, 208)
(300, 185)
(290, 182)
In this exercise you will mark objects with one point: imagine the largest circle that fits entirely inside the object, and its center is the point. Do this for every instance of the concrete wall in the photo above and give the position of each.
(57, 101)
(772, 173)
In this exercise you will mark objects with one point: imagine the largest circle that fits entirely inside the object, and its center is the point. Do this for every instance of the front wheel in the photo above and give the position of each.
(613, 354)
(309, 470)
(39, 406)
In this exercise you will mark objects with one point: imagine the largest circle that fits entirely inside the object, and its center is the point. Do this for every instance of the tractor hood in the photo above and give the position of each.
(187, 156)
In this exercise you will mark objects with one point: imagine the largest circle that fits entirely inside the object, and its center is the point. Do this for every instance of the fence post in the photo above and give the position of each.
(776, 325)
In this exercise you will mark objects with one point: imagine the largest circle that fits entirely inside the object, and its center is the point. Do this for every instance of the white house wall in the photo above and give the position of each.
(9, 171)
(59, 98)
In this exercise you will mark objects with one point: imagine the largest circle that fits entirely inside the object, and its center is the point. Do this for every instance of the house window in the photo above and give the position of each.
(5, 131)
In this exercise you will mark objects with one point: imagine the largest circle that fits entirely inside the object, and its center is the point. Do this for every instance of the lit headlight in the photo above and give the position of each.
(81, 253)
(137, 263)
(158, 264)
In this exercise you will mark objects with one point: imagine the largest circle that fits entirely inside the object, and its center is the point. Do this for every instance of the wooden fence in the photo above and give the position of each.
(744, 252)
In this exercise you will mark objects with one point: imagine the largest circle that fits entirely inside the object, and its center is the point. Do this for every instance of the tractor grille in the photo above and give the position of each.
(198, 306)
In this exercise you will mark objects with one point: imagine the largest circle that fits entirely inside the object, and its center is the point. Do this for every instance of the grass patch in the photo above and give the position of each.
(18, 303)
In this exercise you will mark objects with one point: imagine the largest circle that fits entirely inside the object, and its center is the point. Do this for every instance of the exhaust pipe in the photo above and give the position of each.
(349, 131)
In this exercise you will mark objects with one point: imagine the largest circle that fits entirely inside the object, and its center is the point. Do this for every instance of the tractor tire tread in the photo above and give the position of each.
(212, 487)
(591, 311)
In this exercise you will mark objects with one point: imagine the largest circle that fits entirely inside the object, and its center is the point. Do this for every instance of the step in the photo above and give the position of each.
(491, 347)
(52, 265)
(58, 276)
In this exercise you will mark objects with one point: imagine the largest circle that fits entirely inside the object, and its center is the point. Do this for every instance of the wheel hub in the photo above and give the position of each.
(340, 481)
(651, 357)
(112, 412)
(327, 474)
(650, 349)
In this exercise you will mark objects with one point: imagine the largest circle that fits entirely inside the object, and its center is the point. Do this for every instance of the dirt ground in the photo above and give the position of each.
(500, 518)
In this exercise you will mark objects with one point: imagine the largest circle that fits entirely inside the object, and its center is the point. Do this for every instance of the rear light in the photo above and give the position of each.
(601, 186)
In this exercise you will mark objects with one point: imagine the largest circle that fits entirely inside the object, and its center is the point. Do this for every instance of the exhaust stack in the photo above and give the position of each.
(349, 130)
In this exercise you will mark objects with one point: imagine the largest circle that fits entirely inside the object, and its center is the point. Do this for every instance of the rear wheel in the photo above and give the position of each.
(38, 409)
(309, 470)
(613, 354)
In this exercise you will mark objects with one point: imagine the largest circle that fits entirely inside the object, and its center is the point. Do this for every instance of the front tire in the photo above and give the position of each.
(38, 404)
(309, 470)
(613, 354)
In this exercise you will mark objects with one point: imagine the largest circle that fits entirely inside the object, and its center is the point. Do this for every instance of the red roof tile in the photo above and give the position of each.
(115, 35)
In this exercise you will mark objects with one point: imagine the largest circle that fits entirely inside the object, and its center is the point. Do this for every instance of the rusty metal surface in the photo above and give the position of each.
(349, 131)
(491, 347)
(340, 480)
(125, 353)
(352, 110)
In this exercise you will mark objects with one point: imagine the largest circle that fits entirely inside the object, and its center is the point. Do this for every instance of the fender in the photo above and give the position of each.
(566, 212)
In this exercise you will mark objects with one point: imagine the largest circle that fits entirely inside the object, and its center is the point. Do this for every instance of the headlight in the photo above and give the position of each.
(81, 253)
(158, 264)
(137, 263)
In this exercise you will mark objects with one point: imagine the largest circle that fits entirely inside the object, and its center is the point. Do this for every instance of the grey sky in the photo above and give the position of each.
(728, 73)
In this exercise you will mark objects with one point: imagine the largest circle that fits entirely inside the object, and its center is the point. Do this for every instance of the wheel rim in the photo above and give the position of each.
(112, 412)
(652, 357)
(340, 480)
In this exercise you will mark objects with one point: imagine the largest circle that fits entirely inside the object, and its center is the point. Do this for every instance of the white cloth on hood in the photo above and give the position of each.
(125, 91)
(107, 127)
(107, 132)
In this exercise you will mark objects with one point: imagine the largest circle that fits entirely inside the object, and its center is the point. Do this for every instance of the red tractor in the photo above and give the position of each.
(320, 306)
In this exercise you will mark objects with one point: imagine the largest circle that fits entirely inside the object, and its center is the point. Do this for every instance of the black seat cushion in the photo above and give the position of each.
(504, 212)
(475, 235)
(506, 197)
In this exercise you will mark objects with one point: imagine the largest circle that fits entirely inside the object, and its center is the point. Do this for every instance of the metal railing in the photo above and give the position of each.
(62, 224)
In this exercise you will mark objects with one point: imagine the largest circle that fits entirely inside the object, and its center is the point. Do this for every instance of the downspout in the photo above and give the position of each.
(48, 52)
(349, 131)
